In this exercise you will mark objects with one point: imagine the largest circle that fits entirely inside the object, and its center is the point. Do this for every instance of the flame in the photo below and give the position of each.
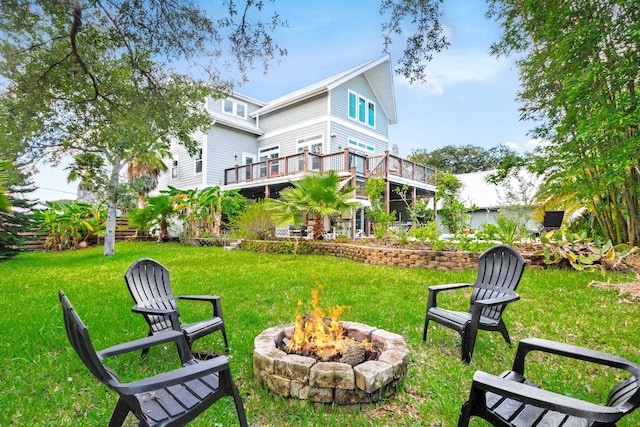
(319, 334)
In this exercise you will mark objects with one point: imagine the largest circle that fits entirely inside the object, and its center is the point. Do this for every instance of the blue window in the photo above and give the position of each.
(361, 109)
(352, 105)
(371, 114)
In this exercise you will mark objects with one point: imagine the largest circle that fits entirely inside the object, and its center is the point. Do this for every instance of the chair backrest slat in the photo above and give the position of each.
(499, 271)
(149, 284)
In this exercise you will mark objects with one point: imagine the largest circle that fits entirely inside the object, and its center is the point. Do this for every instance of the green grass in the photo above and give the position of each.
(45, 383)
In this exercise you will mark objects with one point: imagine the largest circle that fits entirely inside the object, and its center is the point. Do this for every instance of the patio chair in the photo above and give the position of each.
(167, 399)
(510, 399)
(499, 271)
(149, 285)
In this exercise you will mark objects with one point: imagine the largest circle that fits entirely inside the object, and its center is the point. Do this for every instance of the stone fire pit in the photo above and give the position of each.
(306, 378)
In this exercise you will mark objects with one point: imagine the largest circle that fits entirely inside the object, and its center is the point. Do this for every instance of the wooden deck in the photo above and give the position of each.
(386, 165)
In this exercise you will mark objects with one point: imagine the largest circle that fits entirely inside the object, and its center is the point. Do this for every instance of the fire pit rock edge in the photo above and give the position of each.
(306, 378)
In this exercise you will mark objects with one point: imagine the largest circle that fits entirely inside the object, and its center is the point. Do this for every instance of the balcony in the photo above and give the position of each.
(392, 168)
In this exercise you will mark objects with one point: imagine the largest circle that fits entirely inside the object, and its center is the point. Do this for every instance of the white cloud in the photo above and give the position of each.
(449, 68)
(512, 145)
(537, 142)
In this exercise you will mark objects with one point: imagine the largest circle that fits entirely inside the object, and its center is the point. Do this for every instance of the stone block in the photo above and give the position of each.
(351, 397)
(264, 359)
(300, 390)
(380, 335)
(321, 395)
(372, 375)
(277, 384)
(332, 374)
(294, 367)
(399, 360)
(359, 331)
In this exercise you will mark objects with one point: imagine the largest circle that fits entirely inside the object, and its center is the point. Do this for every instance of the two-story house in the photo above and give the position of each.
(340, 123)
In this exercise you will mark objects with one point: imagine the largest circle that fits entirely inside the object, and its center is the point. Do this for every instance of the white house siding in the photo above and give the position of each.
(223, 145)
(287, 140)
(293, 119)
(187, 178)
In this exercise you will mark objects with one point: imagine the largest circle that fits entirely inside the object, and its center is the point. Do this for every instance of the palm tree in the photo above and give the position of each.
(87, 167)
(321, 194)
(144, 170)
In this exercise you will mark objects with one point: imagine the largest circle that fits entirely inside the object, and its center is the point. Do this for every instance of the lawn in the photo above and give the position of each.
(45, 383)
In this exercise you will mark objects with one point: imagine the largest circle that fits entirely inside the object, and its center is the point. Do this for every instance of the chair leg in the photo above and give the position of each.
(242, 417)
(469, 333)
(465, 415)
(426, 328)
(145, 350)
(119, 414)
(226, 341)
(505, 334)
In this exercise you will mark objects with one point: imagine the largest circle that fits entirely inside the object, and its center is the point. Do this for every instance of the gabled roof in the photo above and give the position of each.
(377, 72)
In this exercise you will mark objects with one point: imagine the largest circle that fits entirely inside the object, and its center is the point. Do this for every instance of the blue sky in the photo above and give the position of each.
(469, 96)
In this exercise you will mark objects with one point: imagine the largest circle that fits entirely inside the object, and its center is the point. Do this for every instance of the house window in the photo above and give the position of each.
(352, 105)
(269, 153)
(371, 114)
(314, 145)
(199, 160)
(235, 108)
(361, 109)
(362, 147)
(174, 169)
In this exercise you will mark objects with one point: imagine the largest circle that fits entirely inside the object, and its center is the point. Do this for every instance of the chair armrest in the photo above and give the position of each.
(177, 376)
(434, 290)
(213, 299)
(449, 286)
(173, 314)
(545, 399)
(146, 342)
(572, 351)
(506, 299)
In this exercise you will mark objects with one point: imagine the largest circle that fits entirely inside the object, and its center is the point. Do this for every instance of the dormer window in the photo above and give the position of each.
(361, 109)
(235, 108)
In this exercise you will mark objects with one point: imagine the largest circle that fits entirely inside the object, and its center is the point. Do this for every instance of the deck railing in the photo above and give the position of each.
(385, 165)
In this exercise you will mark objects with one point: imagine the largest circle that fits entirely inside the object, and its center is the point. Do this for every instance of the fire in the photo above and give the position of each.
(319, 334)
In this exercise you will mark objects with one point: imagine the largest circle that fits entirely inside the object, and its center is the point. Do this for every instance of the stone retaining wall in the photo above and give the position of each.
(396, 257)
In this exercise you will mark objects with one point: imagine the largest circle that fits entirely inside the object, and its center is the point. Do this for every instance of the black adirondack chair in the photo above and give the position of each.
(499, 271)
(512, 400)
(168, 399)
(149, 285)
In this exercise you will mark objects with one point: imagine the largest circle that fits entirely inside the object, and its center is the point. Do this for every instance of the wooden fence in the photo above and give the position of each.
(35, 239)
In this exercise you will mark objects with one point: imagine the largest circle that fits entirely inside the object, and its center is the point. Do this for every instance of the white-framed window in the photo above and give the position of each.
(174, 168)
(362, 147)
(247, 160)
(269, 153)
(314, 145)
(198, 160)
(361, 109)
(235, 108)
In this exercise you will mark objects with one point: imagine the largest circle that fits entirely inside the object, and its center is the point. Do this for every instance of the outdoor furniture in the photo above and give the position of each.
(510, 399)
(149, 285)
(168, 399)
(499, 271)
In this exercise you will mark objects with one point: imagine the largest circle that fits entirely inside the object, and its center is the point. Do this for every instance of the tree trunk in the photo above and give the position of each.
(110, 232)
